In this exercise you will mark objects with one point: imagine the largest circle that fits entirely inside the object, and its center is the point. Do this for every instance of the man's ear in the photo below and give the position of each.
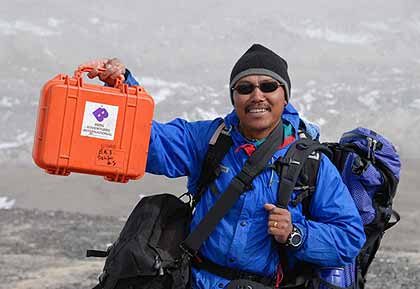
(231, 97)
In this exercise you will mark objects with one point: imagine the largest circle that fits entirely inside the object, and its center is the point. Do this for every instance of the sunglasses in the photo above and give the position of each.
(247, 87)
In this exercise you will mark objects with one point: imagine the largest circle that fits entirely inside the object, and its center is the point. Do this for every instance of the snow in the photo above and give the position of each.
(308, 97)
(6, 101)
(21, 139)
(94, 20)
(415, 104)
(161, 89)
(6, 204)
(370, 99)
(54, 22)
(18, 26)
(210, 113)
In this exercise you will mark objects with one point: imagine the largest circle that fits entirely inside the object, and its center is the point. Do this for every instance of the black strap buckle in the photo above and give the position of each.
(244, 177)
(285, 161)
(97, 253)
(187, 251)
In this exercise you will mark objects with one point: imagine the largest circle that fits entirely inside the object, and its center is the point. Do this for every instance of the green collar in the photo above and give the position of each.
(288, 131)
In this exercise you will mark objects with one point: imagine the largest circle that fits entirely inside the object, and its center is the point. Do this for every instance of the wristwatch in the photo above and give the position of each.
(295, 238)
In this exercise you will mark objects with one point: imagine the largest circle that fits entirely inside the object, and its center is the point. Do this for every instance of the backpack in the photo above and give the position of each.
(143, 256)
(370, 168)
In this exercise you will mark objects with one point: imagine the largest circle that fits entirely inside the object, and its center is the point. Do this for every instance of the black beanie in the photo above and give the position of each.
(262, 61)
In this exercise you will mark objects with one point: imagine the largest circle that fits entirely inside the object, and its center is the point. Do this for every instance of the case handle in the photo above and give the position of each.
(78, 74)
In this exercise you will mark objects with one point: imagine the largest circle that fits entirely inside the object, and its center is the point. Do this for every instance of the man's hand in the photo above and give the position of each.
(113, 69)
(279, 223)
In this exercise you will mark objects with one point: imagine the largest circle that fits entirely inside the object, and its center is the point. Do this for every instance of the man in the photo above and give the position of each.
(260, 93)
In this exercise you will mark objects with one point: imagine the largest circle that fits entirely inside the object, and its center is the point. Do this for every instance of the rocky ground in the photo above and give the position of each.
(46, 249)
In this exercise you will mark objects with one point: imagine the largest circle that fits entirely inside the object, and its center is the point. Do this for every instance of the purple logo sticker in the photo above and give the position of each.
(100, 114)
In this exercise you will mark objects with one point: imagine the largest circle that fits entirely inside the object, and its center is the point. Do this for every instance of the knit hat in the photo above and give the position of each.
(262, 61)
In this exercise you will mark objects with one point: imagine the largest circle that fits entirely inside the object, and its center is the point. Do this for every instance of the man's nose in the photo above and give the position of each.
(257, 94)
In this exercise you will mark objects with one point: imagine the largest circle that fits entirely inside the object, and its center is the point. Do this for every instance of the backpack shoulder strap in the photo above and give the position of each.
(290, 166)
(307, 182)
(294, 164)
(219, 145)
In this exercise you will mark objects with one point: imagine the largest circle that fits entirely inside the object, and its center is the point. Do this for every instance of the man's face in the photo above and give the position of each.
(258, 112)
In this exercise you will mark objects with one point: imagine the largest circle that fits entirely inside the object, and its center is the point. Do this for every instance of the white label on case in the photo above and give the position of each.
(99, 120)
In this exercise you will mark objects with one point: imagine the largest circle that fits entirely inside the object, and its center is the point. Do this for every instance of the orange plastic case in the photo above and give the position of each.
(93, 129)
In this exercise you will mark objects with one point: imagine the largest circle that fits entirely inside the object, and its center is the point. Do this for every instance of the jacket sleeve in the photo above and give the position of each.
(129, 78)
(178, 148)
(334, 235)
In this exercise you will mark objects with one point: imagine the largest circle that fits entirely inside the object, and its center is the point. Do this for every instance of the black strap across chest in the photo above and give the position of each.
(240, 183)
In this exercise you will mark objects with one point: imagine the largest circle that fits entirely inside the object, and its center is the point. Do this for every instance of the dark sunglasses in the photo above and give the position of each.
(247, 87)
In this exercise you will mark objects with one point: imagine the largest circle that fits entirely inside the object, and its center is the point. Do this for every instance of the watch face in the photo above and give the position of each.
(296, 240)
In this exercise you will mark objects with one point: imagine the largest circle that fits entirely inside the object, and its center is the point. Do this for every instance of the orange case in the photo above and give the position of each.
(93, 129)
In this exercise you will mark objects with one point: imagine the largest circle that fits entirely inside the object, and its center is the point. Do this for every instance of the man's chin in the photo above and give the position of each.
(259, 122)
(260, 129)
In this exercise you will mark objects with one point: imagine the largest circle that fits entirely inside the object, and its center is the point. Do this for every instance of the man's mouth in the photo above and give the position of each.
(257, 109)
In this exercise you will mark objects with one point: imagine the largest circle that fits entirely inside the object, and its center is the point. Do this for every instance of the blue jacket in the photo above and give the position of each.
(333, 237)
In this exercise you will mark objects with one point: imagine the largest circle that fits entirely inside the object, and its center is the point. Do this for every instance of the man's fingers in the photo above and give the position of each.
(279, 228)
(269, 207)
(107, 70)
(116, 75)
(278, 231)
(279, 218)
(114, 72)
(97, 63)
(280, 235)
(279, 225)
(118, 69)
(102, 77)
(275, 210)
(279, 212)
(279, 222)
(92, 73)
(281, 239)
